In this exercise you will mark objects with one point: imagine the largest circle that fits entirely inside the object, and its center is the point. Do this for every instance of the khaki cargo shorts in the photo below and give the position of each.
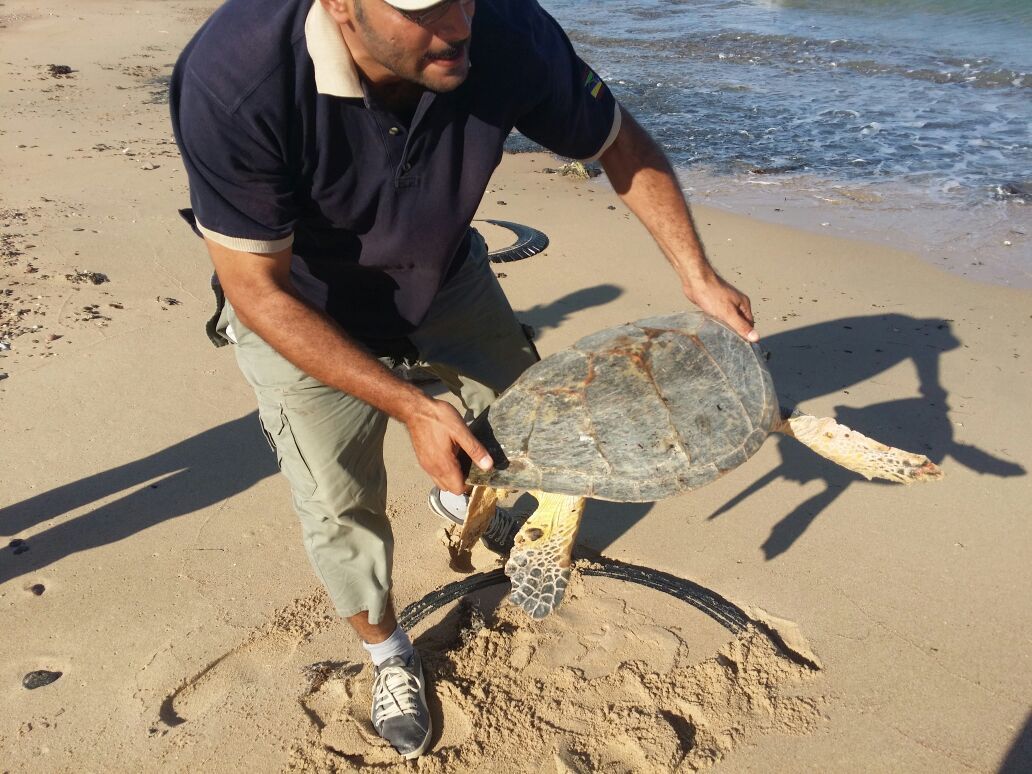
(329, 445)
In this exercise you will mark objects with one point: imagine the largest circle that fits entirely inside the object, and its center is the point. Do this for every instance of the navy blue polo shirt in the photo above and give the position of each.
(284, 147)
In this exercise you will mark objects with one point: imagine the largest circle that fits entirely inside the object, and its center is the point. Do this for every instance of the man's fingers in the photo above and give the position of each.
(476, 450)
(746, 328)
(447, 474)
(725, 302)
(452, 481)
(437, 432)
(468, 442)
(741, 321)
(746, 307)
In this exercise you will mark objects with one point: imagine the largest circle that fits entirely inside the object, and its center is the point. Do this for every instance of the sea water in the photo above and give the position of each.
(905, 121)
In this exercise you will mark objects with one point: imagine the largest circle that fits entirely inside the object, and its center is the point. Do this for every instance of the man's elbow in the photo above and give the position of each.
(255, 299)
(252, 282)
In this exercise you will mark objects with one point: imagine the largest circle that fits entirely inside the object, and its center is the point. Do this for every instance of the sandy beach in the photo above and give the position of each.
(150, 554)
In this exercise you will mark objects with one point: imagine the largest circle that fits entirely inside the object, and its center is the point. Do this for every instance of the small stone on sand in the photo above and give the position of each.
(39, 678)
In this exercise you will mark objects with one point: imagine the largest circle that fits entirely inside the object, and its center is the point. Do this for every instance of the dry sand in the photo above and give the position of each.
(154, 560)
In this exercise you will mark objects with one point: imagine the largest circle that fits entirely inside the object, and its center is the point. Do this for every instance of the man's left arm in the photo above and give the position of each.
(642, 176)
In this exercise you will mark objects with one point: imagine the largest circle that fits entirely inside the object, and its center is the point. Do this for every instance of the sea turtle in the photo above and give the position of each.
(638, 413)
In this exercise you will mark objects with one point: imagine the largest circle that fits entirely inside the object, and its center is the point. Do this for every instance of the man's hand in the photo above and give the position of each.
(438, 432)
(719, 298)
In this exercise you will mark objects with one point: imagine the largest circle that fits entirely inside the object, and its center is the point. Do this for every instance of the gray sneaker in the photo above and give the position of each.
(399, 713)
(500, 533)
(448, 506)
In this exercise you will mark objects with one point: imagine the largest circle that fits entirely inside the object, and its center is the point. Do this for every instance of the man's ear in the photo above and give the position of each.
(340, 10)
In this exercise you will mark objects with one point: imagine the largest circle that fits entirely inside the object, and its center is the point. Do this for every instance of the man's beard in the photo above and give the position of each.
(395, 61)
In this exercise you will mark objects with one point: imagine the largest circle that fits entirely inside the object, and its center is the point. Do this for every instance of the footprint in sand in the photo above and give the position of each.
(239, 673)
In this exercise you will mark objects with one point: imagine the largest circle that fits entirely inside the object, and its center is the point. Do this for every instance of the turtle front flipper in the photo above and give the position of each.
(539, 565)
(480, 511)
(483, 502)
(857, 452)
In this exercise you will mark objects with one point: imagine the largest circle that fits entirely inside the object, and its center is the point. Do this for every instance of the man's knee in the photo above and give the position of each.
(353, 557)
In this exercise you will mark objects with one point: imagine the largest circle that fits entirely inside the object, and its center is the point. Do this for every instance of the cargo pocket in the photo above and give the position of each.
(292, 462)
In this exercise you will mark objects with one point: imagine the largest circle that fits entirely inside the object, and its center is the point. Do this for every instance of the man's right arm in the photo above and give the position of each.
(263, 297)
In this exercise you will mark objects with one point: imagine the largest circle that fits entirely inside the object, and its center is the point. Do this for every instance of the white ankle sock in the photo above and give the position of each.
(398, 644)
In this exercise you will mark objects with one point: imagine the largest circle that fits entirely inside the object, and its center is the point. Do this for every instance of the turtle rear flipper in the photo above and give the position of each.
(857, 452)
(539, 564)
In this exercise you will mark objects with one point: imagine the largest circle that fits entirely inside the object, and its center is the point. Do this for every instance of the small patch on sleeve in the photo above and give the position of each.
(594, 85)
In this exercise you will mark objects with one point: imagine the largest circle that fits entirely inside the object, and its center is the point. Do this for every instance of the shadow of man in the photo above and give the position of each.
(195, 473)
(830, 357)
(1019, 756)
(555, 313)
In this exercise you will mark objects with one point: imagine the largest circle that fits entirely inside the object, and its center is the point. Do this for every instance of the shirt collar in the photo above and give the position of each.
(335, 72)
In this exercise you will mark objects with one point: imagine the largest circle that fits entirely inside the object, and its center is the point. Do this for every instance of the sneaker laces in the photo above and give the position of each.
(395, 692)
(502, 527)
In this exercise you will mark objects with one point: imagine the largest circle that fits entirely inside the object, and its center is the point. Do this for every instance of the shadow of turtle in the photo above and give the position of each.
(848, 351)
(604, 522)
(832, 356)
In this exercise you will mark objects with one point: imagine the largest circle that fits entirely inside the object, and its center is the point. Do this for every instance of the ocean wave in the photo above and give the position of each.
(792, 51)
(859, 91)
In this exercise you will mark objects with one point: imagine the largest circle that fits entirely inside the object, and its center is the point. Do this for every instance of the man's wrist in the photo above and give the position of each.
(695, 273)
(408, 403)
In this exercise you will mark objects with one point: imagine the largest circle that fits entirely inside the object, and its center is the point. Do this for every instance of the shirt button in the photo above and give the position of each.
(394, 131)
(406, 167)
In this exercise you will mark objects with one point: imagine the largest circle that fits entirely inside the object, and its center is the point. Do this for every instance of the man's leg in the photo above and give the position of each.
(472, 340)
(471, 337)
(329, 445)
(399, 713)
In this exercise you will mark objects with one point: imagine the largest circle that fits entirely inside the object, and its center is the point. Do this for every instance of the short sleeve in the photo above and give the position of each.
(241, 188)
(573, 112)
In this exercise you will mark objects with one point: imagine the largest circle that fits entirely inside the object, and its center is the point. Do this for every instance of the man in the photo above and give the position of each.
(337, 151)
